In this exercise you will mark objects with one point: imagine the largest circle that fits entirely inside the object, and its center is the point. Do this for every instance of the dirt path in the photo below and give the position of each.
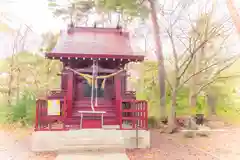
(225, 145)
(219, 146)
(14, 146)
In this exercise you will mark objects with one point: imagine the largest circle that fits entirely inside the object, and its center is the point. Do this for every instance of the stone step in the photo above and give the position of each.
(76, 121)
(97, 156)
(92, 148)
(89, 139)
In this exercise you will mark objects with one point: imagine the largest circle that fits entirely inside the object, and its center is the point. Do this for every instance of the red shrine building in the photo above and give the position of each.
(93, 92)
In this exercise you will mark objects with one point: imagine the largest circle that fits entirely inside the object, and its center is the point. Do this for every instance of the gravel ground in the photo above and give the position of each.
(218, 146)
(15, 145)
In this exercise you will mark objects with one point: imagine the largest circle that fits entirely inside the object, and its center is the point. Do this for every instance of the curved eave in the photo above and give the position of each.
(78, 55)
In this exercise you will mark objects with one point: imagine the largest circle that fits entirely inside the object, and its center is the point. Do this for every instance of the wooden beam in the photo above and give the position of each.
(118, 98)
(100, 70)
(69, 93)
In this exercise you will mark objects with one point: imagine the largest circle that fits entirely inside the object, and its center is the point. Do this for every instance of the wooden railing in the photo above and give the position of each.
(129, 95)
(41, 106)
(56, 93)
(44, 121)
(135, 114)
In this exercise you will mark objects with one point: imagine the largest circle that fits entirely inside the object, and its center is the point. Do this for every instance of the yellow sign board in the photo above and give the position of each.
(54, 107)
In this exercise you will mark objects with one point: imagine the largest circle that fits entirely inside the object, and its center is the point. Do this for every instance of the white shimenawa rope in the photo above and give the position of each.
(93, 85)
(96, 84)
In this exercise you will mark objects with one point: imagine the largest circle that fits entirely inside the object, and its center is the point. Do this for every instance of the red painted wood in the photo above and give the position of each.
(99, 55)
(65, 113)
(70, 93)
(91, 123)
(146, 115)
(139, 115)
(37, 115)
(133, 110)
(91, 42)
(118, 99)
(79, 89)
(133, 118)
(52, 129)
(101, 101)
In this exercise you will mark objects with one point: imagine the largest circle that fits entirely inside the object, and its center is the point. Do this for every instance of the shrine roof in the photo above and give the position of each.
(89, 42)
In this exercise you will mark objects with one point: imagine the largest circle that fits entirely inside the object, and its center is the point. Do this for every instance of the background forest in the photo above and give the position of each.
(199, 72)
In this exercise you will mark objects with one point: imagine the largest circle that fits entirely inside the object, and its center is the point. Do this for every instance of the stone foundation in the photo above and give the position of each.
(89, 139)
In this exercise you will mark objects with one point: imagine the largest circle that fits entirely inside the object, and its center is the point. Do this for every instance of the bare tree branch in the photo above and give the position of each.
(207, 68)
(215, 78)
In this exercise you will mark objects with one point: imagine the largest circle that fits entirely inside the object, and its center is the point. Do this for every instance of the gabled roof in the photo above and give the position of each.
(85, 42)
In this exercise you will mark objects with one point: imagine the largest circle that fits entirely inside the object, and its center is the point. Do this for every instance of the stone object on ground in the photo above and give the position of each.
(190, 124)
(171, 129)
(199, 119)
(189, 134)
(215, 124)
(180, 121)
(203, 131)
(213, 118)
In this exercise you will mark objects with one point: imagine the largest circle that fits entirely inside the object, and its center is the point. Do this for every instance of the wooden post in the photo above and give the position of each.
(37, 116)
(118, 98)
(146, 115)
(69, 94)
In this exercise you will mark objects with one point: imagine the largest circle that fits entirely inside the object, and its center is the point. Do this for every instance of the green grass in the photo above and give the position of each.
(22, 112)
(229, 115)
(4, 110)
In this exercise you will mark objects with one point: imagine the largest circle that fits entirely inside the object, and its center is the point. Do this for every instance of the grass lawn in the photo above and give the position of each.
(3, 113)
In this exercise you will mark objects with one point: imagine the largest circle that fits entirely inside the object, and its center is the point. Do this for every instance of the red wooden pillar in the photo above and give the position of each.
(37, 116)
(69, 93)
(118, 98)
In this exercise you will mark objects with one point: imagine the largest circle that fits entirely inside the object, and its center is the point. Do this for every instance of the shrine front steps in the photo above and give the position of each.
(86, 140)
(91, 156)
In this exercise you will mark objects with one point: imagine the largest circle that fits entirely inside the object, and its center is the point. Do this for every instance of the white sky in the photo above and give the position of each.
(36, 13)
(33, 12)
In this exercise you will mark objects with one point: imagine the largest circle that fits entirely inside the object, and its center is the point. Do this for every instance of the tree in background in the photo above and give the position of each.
(203, 44)
(49, 42)
(234, 14)
(160, 58)
(18, 46)
(74, 11)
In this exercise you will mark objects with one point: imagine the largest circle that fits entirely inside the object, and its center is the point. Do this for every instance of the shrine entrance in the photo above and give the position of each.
(103, 90)
(98, 90)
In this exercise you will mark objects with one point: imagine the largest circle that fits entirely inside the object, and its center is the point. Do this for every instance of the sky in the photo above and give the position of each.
(33, 12)
(36, 13)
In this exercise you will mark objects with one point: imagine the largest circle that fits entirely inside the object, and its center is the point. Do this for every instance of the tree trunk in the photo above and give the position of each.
(211, 102)
(159, 55)
(193, 99)
(172, 115)
(234, 14)
(18, 84)
(193, 85)
(9, 93)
